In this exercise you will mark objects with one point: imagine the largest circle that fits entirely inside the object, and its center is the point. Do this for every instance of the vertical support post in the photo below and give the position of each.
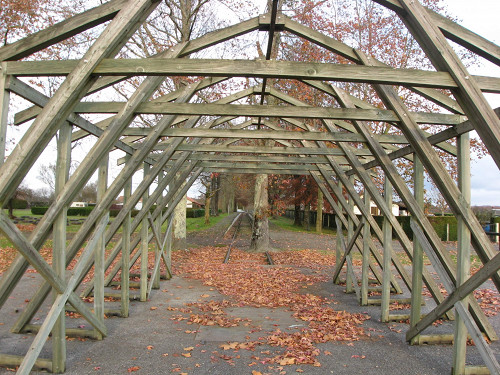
(463, 254)
(144, 245)
(156, 281)
(4, 111)
(319, 212)
(99, 252)
(350, 231)
(366, 254)
(338, 245)
(59, 246)
(418, 255)
(125, 274)
(387, 235)
(340, 235)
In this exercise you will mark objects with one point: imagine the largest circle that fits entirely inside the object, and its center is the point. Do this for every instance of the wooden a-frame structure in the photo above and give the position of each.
(183, 144)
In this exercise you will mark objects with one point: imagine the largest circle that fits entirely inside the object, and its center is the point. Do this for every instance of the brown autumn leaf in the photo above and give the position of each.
(187, 355)
(133, 369)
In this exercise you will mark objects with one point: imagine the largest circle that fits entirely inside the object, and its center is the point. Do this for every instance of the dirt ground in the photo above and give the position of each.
(158, 339)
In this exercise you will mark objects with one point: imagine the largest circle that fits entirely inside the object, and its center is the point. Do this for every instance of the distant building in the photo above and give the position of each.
(79, 204)
(496, 212)
(375, 211)
(194, 203)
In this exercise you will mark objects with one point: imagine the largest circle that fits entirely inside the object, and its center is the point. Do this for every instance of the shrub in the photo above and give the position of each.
(19, 204)
(79, 211)
(39, 210)
(195, 212)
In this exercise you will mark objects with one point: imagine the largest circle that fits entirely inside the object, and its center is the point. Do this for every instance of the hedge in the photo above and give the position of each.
(79, 211)
(39, 210)
(195, 212)
(72, 211)
(495, 219)
(437, 222)
(19, 204)
(114, 213)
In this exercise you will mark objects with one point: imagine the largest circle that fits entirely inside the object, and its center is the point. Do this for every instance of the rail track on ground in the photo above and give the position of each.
(243, 219)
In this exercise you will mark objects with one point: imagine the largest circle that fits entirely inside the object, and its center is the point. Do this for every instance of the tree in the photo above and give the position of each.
(206, 181)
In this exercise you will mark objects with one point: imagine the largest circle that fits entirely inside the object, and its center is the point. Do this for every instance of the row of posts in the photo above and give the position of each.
(463, 253)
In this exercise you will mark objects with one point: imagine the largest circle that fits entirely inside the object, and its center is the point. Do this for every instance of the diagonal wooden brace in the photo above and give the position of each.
(36, 260)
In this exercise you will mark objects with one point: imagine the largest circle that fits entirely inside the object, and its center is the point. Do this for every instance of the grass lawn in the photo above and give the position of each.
(198, 223)
(287, 224)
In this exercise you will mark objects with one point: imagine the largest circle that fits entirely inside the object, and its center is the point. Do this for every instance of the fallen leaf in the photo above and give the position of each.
(189, 348)
(133, 369)
(187, 355)
(149, 347)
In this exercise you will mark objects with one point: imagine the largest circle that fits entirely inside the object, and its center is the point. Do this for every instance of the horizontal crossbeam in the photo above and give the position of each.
(256, 69)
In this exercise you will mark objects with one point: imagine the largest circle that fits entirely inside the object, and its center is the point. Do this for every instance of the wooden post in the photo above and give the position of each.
(4, 112)
(340, 235)
(387, 230)
(350, 231)
(144, 245)
(59, 246)
(338, 244)
(418, 256)
(319, 212)
(366, 254)
(99, 253)
(125, 274)
(156, 281)
(463, 252)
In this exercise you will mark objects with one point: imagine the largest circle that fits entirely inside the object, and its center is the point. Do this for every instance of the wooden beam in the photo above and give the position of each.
(71, 91)
(253, 69)
(61, 31)
(267, 150)
(190, 109)
(79, 178)
(415, 209)
(468, 93)
(455, 32)
(438, 172)
(265, 134)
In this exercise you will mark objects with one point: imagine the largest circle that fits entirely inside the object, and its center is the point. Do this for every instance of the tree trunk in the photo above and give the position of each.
(216, 197)
(319, 212)
(296, 216)
(207, 210)
(10, 206)
(179, 225)
(260, 231)
(307, 216)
